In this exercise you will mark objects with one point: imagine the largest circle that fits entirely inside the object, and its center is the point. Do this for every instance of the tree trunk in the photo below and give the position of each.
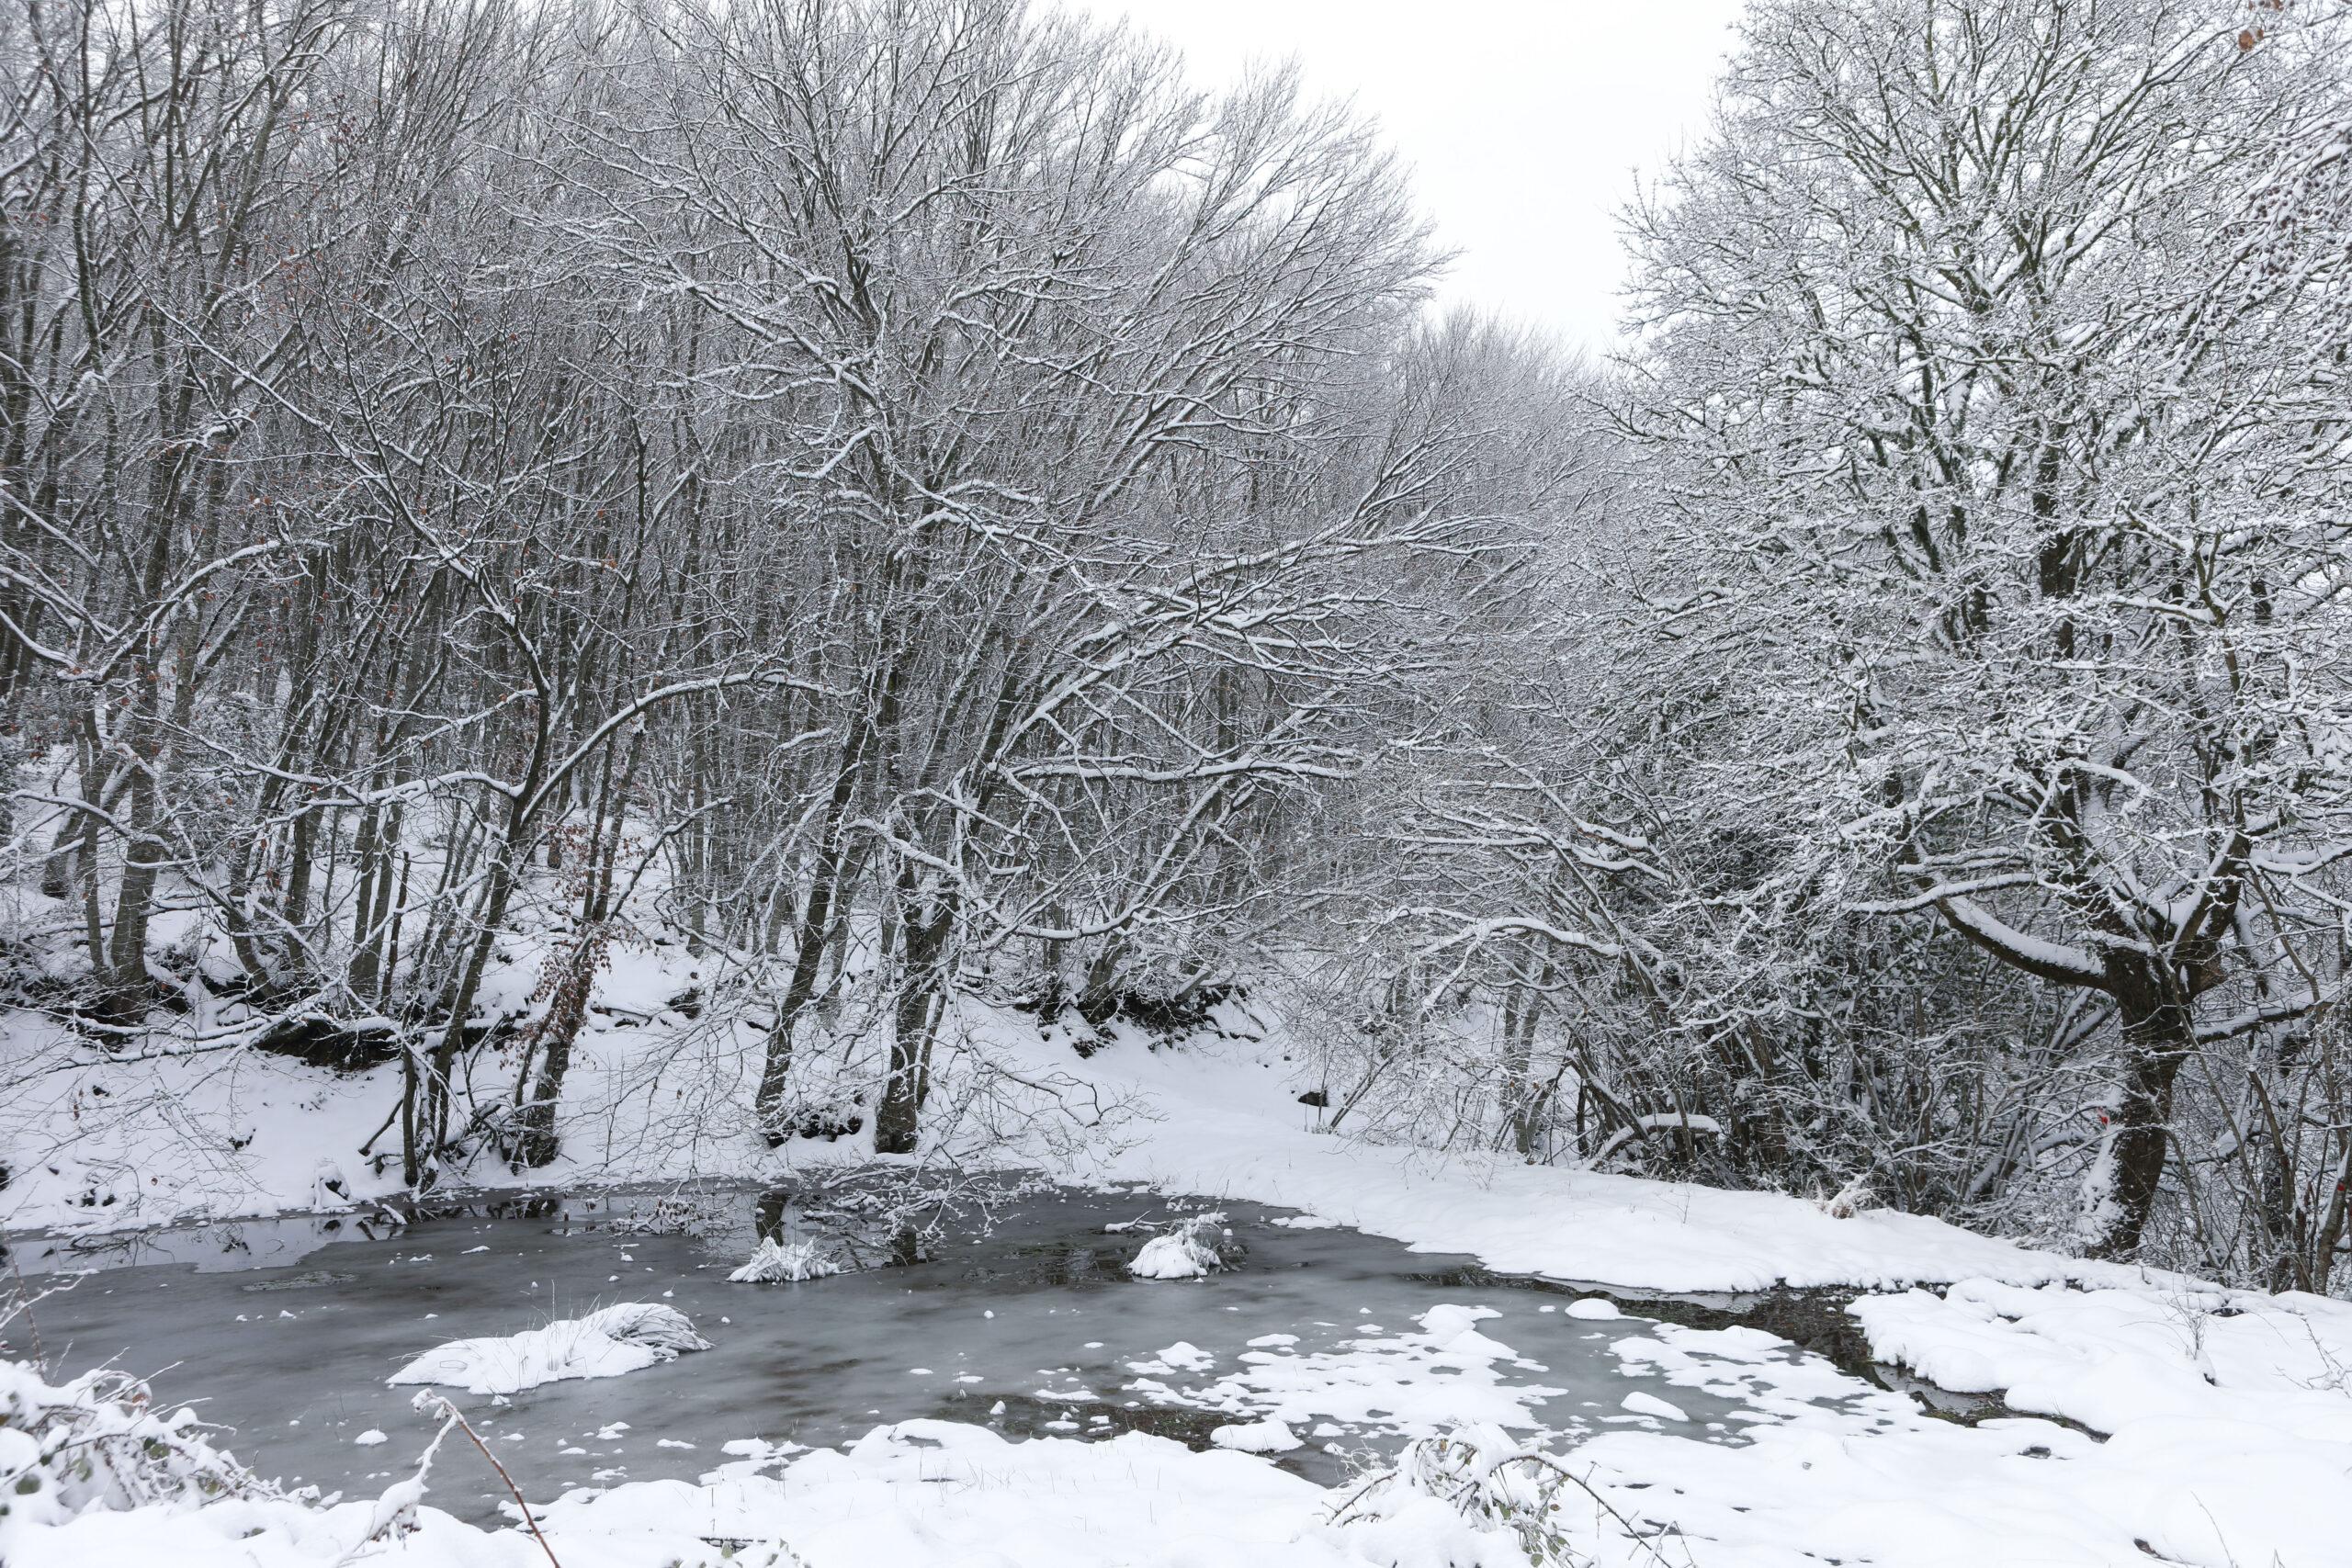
(534, 1143)
(816, 924)
(433, 1127)
(2159, 1034)
(127, 989)
(1521, 1008)
(914, 1016)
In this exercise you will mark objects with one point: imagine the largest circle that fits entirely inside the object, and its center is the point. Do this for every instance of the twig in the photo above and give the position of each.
(26, 1301)
(458, 1416)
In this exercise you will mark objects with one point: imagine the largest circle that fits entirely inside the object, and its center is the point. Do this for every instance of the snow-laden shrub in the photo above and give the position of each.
(1509, 1492)
(619, 1339)
(785, 1262)
(1188, 1252)
(1480, 1474)
(1849, 1201)
(664, 1330)
(96, 1443)
(90, 1473)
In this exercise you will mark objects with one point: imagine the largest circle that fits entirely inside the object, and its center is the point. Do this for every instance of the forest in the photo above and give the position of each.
(915, 504)
(854, 783)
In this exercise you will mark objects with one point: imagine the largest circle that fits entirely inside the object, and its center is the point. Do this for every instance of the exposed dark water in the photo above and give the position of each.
(284, 1331)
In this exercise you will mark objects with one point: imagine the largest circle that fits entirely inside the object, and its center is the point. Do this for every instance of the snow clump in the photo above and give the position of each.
(625, 1337)
(1267, 1436)
(1185, 1253)
(784, 1262)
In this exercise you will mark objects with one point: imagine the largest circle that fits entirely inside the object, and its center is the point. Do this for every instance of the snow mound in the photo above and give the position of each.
(625, 1337)
(785, 1262)
(1267, 1436)
(1185, 1253)
(1181, 1356)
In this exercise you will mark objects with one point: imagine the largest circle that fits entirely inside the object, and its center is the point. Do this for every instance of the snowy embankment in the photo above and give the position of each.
(197, 1127)
(656, 1097)
(1227, 1127)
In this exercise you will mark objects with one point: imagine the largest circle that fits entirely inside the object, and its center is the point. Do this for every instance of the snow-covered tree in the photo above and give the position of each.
(1992, 363)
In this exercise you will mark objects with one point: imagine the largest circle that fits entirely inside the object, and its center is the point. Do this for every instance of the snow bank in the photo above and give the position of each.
(2229, 1422)
(2113, 1358)
(1226, 1126)
(111, 1483)
(105, 1142)
(626, 1337)
(2228, 1415)
(926, 1493)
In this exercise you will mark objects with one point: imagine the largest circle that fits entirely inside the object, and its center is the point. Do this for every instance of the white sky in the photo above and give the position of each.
(1524, 121)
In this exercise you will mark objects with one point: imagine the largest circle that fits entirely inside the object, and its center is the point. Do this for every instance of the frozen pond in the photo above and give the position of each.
(284, 1330)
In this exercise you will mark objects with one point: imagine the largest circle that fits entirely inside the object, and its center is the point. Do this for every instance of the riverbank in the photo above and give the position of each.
(2138, 1416)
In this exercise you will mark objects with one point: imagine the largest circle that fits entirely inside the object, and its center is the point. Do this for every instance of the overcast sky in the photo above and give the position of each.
(1524, 119)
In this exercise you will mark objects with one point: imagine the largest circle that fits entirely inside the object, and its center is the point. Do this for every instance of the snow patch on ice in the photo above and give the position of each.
(1181, 1356)
(1419, 1385)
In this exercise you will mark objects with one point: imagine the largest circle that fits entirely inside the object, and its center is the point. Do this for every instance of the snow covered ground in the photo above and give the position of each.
(1229, 1127)
(2219, 1424)
(2150, 1418)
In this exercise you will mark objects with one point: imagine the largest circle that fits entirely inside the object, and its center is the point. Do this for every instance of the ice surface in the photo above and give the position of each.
(1046, 1290)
